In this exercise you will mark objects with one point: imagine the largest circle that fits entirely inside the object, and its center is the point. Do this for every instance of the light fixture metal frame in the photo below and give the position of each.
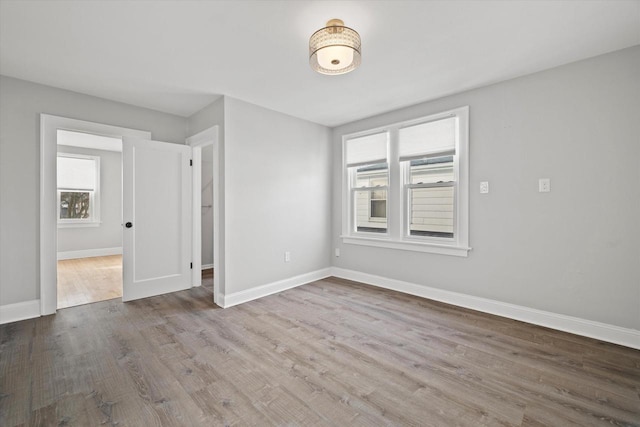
(335, 34)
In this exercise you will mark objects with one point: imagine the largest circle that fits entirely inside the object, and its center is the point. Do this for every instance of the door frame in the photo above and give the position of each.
(49, 125)
(197, 142)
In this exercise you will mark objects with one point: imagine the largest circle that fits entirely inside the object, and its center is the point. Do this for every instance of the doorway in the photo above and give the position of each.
(156, 162)
(207, 264)
(89, 218)
(206, 228)
(50, 200)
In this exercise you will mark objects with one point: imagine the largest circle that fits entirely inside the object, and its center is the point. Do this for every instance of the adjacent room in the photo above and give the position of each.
(89, 217)
(327, 213)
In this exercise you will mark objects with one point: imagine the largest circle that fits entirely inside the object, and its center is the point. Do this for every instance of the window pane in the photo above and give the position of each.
(371, 211)
(75, 204)
(372, 175)
(378, 209)
(430, 171)
(431, 211)
(371, 205)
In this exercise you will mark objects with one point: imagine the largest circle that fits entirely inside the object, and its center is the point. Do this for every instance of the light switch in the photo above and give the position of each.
(544, 185)
(484, 187)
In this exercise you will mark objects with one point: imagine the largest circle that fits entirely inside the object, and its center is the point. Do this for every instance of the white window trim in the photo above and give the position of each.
(396, 236)
(94, 219)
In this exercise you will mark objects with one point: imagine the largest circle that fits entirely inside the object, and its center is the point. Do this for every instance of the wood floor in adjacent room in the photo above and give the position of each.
(86, 280)
(328, 353)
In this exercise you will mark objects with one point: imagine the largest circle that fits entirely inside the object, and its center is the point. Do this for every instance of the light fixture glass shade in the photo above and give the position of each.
(334, 49)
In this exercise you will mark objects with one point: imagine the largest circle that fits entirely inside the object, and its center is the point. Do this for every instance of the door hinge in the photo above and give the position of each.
(190, 162)
(191, 266)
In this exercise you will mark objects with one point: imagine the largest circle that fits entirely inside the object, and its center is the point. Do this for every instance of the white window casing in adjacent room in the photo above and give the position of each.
(406, 185)
(78, 185)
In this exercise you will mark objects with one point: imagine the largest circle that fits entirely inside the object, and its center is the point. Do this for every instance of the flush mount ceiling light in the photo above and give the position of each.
(334, 49)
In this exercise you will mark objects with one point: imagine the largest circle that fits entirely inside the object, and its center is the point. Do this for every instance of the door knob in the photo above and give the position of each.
(128, 225)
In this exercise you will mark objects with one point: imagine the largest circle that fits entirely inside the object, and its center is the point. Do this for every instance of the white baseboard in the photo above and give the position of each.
(575, 325)
(19, 311)
(236, 298)
(207, 266)
(88, 253)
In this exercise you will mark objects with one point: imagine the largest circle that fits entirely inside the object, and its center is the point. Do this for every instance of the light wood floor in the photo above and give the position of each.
(85, 280)
(328, 353)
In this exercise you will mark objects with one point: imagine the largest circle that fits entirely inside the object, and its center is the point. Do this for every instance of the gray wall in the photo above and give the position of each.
(108, 234)
(572, 251)
(278, 177)
(21, 103)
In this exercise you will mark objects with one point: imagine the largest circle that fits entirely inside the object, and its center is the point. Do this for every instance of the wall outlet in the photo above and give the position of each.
(337, 252)
(287, 256)
(544, 185)
(484, 187)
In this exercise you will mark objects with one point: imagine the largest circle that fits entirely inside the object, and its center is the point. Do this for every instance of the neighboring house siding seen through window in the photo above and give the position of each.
(78, 189)
(406, 185)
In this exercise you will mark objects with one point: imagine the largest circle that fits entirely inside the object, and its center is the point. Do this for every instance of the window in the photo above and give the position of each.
(407, 185)
(369, 176)
(78, 189)
(430, 189)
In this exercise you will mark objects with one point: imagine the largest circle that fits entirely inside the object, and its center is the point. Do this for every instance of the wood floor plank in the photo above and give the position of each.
(389, 367)
(330, 353)
(527, 353)
(88, 280)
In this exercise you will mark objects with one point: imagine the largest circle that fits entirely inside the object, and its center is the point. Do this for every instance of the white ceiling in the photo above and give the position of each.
(178, 56)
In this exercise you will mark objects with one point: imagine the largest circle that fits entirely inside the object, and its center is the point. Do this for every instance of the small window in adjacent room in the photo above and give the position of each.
(78, 189)
(408, 185)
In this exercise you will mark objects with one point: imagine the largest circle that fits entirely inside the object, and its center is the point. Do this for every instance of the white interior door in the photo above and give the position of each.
(157, 218)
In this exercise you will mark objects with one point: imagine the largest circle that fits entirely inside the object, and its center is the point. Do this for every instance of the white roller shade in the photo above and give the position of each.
(428, 139)
(76, 173)
(367, 149)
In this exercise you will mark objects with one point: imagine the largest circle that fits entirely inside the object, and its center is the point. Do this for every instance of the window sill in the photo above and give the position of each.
(78, 224)
(408, 246)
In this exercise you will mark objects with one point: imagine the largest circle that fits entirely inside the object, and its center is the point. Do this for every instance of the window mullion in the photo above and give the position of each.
(406, 201)
(394, 195)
